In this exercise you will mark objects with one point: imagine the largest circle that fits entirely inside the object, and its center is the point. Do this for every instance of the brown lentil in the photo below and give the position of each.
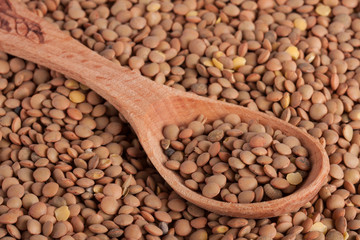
(245, 166)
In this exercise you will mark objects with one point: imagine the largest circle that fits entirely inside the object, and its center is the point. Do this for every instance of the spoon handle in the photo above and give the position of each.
(28, 36)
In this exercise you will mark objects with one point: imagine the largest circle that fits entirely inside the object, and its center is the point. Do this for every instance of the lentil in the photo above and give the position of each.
(221, 169)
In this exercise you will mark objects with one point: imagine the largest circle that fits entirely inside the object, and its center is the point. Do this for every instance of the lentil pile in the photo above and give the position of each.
(235, 161)
(70, 168)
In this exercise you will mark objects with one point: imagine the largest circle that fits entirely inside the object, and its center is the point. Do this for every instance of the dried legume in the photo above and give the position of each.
(239, 160)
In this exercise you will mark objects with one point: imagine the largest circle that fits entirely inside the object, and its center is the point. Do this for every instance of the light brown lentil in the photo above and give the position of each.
(245, 167)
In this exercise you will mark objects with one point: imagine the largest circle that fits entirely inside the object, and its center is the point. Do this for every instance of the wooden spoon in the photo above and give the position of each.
(148, 106)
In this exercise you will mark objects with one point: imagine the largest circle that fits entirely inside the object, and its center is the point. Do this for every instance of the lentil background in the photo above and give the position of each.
(58, 135)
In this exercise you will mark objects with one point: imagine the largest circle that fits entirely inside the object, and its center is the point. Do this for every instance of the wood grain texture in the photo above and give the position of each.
(10, 21)
(149, 107)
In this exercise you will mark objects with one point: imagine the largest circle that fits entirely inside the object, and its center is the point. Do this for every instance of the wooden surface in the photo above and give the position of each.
(149, 107)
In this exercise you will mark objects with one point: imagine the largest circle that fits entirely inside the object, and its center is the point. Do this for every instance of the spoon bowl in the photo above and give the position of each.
(148, 106)
(183, 109)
